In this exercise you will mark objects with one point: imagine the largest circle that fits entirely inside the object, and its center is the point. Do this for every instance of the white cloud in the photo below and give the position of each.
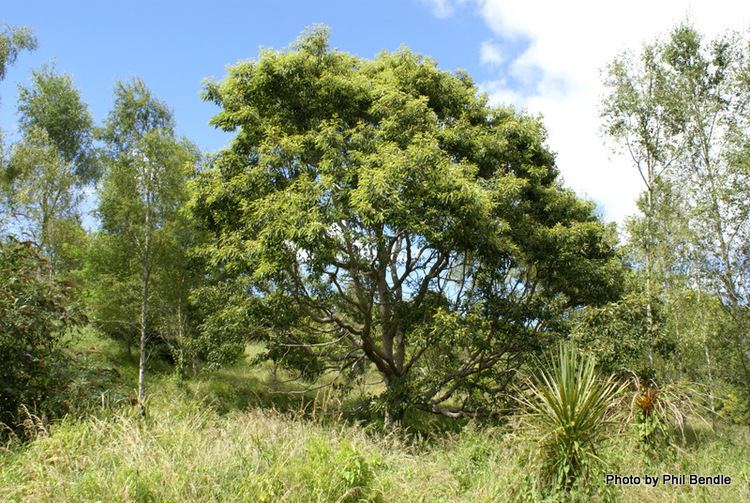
(501, 94)
(569, 43)
(443, 8)
(490, 53)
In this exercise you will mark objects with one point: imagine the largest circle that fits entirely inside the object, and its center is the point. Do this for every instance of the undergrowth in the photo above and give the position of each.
(204, 441)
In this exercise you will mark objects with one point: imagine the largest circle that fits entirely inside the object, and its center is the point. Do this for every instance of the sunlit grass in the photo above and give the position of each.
(193, 447)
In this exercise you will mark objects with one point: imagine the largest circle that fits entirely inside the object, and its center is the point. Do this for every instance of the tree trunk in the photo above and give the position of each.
(146, 271)
(649, 270)
(396, 401)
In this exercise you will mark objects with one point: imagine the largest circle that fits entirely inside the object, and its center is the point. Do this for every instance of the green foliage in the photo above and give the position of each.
(36, 309)
(335, 474)
(619, 334)
(112, 294)
(225, 325)
(40, 191)
(135, 113)
(13, 40)
(47, 169)
(363, 200)
(144, 224)
(52, 104)
(569, 408)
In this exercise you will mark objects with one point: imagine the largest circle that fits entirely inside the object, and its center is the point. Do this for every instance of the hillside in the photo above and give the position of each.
(238, 434)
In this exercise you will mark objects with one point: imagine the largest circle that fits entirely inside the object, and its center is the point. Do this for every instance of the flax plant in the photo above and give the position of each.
(569, 408)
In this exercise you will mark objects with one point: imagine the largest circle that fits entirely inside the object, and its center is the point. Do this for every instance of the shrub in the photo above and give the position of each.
(658, 412)
(36, 308)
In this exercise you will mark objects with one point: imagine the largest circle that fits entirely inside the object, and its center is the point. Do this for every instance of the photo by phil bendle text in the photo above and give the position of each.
(668, 479)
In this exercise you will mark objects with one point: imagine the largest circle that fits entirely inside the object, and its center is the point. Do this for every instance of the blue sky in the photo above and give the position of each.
(542, 56)
(174, 45)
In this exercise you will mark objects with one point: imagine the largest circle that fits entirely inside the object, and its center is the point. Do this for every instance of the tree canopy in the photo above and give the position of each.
(52, 104)
(382, 210)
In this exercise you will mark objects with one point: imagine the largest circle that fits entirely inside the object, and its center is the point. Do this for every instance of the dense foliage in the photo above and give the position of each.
(37, 307)
(383, 211)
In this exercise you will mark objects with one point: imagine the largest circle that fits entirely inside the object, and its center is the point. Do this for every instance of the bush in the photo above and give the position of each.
(328, 473)
(659, 412)
(36, 308)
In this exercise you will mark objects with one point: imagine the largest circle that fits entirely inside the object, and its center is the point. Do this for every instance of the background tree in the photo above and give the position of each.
(680, 110)
(40, 193)
(179, 273)
(144, 186)
(13, 40)
(381, 211)
(49, 167)
(636, 118)
(709, 100)
(616, 332)
(53, 105)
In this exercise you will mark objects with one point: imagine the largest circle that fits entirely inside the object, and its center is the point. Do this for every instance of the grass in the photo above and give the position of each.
(232, 435)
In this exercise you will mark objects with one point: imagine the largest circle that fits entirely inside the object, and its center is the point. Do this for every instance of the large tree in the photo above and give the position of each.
(381, 211)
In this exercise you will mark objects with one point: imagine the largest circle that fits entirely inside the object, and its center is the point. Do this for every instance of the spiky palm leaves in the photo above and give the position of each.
(568, 410)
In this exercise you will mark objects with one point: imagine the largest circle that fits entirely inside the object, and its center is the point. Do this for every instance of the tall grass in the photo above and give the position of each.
(202, 444)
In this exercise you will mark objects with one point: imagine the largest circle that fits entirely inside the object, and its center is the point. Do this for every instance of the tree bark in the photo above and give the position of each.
(649, 271)
(146, 272)
(396, 401)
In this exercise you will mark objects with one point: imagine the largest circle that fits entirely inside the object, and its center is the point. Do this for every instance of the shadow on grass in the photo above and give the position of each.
(240, 388)
(245, 386)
